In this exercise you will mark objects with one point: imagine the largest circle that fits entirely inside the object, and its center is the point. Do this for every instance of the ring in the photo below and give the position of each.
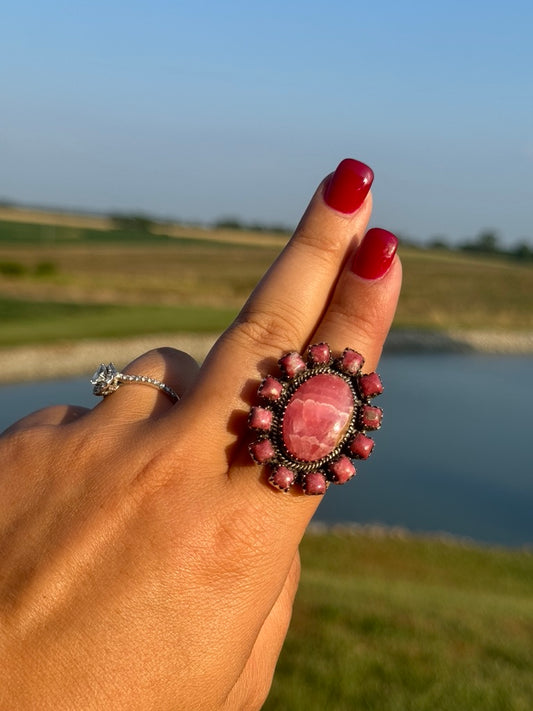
(107, 379)
(312, 420)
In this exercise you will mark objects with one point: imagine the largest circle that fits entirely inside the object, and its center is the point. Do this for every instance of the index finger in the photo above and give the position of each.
(287, 305)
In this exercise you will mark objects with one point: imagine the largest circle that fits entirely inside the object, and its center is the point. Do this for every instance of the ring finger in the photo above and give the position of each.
(137, 400)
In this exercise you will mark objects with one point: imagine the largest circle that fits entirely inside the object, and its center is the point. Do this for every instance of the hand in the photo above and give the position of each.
(144, 562)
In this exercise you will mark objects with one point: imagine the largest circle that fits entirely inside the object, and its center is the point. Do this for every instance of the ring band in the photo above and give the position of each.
(312, 419)
(107, 379)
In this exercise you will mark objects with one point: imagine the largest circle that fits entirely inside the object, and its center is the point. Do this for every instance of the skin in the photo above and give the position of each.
(144, 561)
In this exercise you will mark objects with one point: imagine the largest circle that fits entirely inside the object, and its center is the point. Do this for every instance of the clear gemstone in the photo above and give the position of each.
(104, 373)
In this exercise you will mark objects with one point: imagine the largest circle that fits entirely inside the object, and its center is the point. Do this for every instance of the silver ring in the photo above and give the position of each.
(107, 379)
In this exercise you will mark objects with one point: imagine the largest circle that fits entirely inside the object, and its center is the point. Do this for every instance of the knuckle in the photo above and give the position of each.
(366, 328)
(326, 248)
(270, 329)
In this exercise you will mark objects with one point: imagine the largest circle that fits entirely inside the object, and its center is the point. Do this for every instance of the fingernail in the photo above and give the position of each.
(375, 254)
(348, 186)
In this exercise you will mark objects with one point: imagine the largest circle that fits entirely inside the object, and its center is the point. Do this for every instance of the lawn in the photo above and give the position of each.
(25, 322)
(391, 624)
(66, 282)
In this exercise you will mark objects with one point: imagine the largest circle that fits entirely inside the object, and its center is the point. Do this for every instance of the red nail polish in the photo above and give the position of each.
(348, 186)
(375, 254)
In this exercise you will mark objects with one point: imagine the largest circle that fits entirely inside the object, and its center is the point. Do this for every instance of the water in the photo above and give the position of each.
(454, 454)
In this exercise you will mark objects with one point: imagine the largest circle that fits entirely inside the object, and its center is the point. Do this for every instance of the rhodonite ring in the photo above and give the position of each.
(107, 379)
(312, 419)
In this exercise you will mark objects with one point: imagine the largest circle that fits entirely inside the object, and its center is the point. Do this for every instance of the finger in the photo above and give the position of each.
(136, 401)
(55, 415)
(362, 307)
(253, 685)
(286, 307)
(358, 316)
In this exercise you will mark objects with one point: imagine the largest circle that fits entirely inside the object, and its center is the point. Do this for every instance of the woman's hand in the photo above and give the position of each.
(144, 562)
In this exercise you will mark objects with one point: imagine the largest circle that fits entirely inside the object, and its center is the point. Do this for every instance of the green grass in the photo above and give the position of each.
(123, 283)
(41, 322)
(35, 234)
(382, 624)
(443, 290)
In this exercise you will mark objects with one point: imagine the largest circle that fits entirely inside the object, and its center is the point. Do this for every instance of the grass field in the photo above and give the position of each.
(388, 624)
(60, 282)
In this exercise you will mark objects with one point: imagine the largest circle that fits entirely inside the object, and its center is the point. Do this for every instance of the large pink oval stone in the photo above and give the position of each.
(317, 417)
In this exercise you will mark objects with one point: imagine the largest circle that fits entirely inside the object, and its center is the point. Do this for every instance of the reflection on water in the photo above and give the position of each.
(454, 454)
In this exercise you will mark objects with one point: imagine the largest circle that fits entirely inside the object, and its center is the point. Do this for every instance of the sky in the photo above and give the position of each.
(205, 110)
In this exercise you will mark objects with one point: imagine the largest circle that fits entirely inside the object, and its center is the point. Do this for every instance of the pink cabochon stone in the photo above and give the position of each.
(317, 417)
(262, 451)
(292, 363)
(371, 417)
(370, 385)
(361, 446)
(320, 353)
(282, 478)
(342, 469)
(315, 483)
(260, 418)
(352, 361)
(270, 388)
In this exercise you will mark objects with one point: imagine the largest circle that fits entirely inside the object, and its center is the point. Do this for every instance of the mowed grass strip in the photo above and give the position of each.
(451, 290)
(442, 289)
(46, 322)
(382, 624)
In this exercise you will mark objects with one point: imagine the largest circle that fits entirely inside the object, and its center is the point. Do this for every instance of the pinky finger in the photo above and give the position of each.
(253, 685)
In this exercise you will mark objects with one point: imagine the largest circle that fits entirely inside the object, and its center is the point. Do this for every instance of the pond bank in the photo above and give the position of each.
(58, 360)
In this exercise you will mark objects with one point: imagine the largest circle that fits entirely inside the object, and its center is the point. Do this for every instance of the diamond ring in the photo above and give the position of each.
(107, 379)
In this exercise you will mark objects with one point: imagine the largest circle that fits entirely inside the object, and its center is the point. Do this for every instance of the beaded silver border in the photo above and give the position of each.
(107, 379)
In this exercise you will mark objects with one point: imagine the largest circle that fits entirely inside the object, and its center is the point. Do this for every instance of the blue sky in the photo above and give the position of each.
(208, 109)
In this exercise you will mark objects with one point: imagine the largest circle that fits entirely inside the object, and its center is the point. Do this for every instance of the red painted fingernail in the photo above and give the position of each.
(348, 186)
(375, 254)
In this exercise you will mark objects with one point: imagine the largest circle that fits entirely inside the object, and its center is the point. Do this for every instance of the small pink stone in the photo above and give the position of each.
(342, 470)
(319, 353)
(315, 483)
(361, 446)
(262, 451)
(371, 417)
(282, 478)
(260, 419)
(270, 388)
(317, 417)
(352, 361)
(370, 385)
(292, 363)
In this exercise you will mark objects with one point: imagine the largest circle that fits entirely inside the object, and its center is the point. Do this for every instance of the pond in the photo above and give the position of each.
(453, 456)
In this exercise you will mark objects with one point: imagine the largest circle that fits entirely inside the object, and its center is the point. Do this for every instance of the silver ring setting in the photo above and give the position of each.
(107, 379)
(312, 419)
